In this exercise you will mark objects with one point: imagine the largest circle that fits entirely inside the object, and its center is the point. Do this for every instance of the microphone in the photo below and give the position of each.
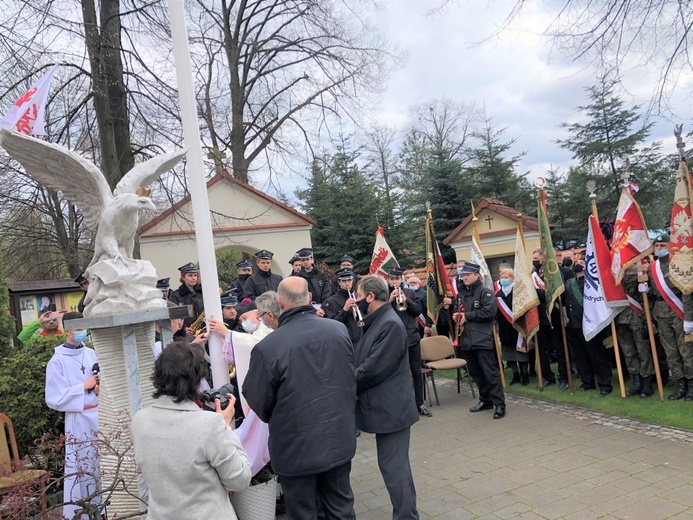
(95, 372)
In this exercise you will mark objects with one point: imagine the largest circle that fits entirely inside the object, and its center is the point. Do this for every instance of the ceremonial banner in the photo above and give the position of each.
(27, 114)
(614, 294)
(437, 280)
(478, 258)
(597, 314)
(630, 242)
(525, 299)
(553, 280)
(383, 259)
(681, 232)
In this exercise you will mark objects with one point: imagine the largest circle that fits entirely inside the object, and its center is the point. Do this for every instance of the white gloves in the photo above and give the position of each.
(643, 287)
(688, 327)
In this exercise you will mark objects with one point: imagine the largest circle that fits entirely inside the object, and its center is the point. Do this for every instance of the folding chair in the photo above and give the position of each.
(437, 353)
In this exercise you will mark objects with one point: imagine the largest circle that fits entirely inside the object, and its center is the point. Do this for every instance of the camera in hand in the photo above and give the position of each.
(209, 396)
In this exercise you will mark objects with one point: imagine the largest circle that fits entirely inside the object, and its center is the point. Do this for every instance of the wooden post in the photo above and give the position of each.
(496, 341)
(537, 362)
(642, 278)
(565, 347)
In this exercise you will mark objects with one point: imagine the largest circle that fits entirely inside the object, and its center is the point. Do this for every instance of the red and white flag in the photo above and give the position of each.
(614, 294)
(27, 115)
(383, 259)
(598, 314)
(630, 242)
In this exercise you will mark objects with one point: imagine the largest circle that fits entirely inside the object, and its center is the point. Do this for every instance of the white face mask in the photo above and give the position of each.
(249, 326)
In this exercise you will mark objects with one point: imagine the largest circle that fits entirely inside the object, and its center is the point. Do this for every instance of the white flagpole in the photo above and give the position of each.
(198, 187)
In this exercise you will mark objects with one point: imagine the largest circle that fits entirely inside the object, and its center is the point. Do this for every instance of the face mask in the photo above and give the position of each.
(459, 271)
(249, 326)
(661, 253)
(536, 264)
(567, 262)
(414, 287)
(505, 282)
(363, 306)
(577, 268)
(80, 336)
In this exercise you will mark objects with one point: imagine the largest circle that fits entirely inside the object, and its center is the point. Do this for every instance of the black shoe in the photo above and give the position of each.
(689, 392)
(480, 406)
(637, 386)
(563, 385)
(515, 379)
(358, 433)
(604, 392)
(524, 379)
(424, 411)
(499, 412)
(647, 389)
(681, 392)
(548, 382)
(584, 388)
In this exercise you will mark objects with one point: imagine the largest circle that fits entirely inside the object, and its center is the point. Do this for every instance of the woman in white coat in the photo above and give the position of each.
(190, 458)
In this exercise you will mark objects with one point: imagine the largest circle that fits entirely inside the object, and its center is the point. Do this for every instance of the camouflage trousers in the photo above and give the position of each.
(679, 353)
(635, 349)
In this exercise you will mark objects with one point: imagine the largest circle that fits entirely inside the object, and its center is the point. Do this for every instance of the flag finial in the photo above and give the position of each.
(474, 219)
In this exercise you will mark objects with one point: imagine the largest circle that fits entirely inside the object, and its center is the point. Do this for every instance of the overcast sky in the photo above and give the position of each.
(529, 88)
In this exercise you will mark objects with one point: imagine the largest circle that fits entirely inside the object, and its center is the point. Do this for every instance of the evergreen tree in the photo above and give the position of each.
(7, 324)
(612, 134)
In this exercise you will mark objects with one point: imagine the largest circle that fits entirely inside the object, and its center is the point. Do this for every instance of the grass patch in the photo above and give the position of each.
(678, 414)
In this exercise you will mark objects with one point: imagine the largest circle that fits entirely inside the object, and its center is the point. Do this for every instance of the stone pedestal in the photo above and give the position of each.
(124, 345)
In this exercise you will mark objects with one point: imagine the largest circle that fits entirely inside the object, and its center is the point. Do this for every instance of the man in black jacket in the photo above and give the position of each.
(385, 403)
(264, 280)
(319, 283)
(408, 308)
(243, 269)
(301, 382)
(476, 340)
(340, 306)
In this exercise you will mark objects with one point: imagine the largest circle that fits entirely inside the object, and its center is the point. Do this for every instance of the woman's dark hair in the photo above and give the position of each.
(178, 371)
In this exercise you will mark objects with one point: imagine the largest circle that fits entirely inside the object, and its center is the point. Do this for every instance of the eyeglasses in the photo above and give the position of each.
(261, 315)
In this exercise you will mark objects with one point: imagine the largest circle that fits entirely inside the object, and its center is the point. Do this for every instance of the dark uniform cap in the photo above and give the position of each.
(345, 274)
(81, 279)
(293, 259)
(304, 253)
(395, 272)
(163, 284)
(471, 267)
(188, 268)
(242, 309)
(229, 301)
(264, 254)
(663, 237)
(245, 264)
(347, 258)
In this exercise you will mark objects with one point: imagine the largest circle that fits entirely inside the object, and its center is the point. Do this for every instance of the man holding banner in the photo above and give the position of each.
(669, 311)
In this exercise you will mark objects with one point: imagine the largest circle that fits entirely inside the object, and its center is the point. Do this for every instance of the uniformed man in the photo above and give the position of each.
(296, 265)
(408, 307)
(189, 292)
(243, 269)
(264, 280)
(635, 349)
(84, 285)
(318, 280)
(669, 308)
(165, 287)
(228, 310)
(480, 307)
(340, 306)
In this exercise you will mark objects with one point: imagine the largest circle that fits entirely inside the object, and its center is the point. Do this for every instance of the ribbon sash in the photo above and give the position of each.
(673, 301)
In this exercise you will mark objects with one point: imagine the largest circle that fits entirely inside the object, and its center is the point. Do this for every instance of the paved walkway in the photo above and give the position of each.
(542, 461)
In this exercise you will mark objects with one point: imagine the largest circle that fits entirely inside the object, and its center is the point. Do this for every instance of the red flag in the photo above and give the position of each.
(630, 242)
(27, 115)
(614, 294)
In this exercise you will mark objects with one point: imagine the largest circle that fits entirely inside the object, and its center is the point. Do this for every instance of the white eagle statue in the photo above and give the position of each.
(113, 216)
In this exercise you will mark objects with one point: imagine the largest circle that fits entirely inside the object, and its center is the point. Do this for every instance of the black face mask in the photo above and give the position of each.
(536, 264)
(363, 306)
(577, 268)
(567, 262)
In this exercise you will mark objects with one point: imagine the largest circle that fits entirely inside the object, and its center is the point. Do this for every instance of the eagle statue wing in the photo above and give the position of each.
(147, 172)
(57, 168)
